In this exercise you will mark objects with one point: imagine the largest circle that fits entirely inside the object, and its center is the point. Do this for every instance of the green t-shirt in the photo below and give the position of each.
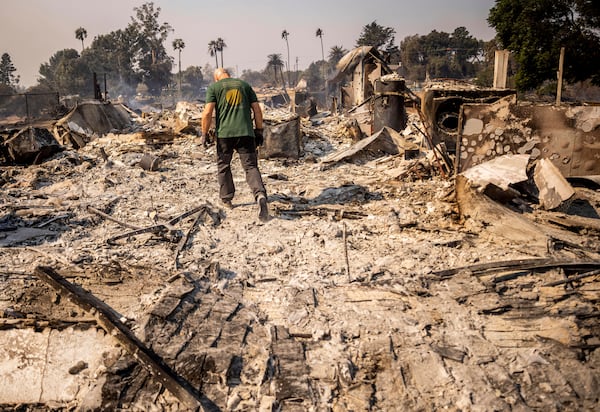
(233, 98)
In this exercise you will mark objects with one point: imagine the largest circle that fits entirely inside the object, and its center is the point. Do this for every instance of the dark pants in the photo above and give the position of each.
(247, 151)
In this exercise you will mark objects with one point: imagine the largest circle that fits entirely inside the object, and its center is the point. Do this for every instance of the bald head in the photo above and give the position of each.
(220, 73)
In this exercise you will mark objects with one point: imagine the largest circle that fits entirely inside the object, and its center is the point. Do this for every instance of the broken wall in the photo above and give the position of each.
(441, 103)
(569, 136)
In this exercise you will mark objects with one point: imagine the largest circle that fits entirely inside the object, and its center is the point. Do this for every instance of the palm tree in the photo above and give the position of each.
(179, 45)
(220, 46)
(276, 64)
(284, 35)
(212, 50)
(335, 54)
(320, 34)
(81, 34)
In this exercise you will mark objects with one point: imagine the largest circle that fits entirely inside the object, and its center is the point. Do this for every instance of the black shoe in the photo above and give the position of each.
(227, 203)
(263, 211)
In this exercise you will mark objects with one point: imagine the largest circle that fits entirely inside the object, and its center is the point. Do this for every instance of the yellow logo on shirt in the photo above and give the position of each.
(233, 97)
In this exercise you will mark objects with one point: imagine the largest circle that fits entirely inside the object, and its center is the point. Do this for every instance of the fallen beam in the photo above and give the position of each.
(574, 278)
(186, 237)
(108, 319)
(518, 265)
(112, 219)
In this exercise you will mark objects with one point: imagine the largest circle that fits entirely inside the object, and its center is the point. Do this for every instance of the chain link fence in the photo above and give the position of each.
(30, 107)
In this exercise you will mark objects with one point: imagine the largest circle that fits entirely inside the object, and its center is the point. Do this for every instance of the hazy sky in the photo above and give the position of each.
(33, 30)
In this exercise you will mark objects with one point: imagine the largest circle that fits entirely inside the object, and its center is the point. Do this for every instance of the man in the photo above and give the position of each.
(235, 101)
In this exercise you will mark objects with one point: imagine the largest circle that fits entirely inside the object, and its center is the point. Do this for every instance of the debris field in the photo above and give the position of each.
(377, 284)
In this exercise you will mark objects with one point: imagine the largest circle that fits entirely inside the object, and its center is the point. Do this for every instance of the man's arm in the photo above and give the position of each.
(207, 119)
(258, 116)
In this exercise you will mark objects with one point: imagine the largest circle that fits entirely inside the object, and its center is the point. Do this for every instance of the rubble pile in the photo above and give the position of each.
(380, 281)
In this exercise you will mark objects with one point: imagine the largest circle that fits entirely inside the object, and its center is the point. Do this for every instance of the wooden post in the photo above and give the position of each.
(500, 68)
(561, 62)
(27, 107)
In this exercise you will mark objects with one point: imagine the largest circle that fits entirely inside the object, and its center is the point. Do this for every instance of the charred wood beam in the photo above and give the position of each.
(39, 324)
(173, 235)
(338, 214)
(165, 229)
(112, 219)
(187, 235)
(54, 219)
(109, 320)
(179, 218)
(518, 265)
(346, 260)
(573, 278)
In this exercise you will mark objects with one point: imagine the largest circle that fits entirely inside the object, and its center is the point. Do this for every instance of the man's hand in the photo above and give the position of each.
(207, 138)
(258, 137)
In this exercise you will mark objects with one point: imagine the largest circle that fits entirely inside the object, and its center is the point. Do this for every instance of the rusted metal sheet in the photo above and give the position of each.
(569, 136)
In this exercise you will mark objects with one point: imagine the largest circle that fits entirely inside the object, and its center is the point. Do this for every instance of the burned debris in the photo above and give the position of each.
(428, 250)
(442, 102)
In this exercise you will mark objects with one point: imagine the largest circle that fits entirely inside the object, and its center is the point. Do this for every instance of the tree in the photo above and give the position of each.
(319, 34)
(213, 49)
(193, 76)
(335, 54)
(220, 46)
(314, 75)
(284, 35)
(465, 48)
(179, 45)
(113, 54)
(535, 30)
(255, 78)
(440, 54)
(485, 68)
(67, 74)
(275, 63)
(7, 72)
(153, 63)
(378, 36)
(192, 81)
(81, 34)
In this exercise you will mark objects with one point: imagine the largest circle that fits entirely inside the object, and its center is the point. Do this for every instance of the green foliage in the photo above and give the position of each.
(335, 54)
(113, 54)
(314, 75)
(126, 56)
(178, 44)
(275, 65)
(535, 30)
(150, 55)
(7, 72)
(67, 74)
(441, 55)
(81, 34)
(380, 37)
(5, 89)
(192, 79)
(254, 78)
